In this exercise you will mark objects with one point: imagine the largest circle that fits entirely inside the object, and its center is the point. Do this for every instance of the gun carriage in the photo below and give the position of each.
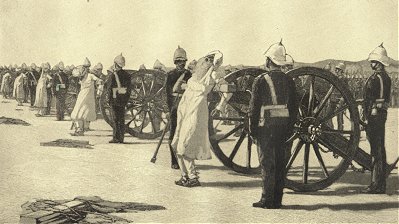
(320, 151)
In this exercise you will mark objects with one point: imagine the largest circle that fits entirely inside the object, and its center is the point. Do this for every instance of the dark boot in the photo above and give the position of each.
(194, 182)
(183, 181)
(262, 203)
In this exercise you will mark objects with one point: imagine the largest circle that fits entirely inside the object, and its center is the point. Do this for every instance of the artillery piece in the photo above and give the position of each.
(318, 93)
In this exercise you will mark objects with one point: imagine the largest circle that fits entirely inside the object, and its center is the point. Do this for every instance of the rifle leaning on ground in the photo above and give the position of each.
(177, 99)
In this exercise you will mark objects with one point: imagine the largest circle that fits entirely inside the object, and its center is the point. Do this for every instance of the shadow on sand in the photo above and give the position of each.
(374, 206)
(229, 184)
(354, 183)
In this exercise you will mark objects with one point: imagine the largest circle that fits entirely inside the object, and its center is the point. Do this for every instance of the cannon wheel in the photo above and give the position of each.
(322, 99)
(233, 127)
(146, 110)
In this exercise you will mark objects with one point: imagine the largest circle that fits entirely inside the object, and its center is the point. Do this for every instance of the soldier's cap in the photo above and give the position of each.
(379, 54)
(277, 53)
(61, 65)
(86, 63)
(120, 60)
(98, 67)
(180, 54)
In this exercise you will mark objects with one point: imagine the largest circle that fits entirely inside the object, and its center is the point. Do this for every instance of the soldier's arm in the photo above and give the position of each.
(254, 107)
(371, 93)
(128, 85)
(109, 87)
(187, 75)
(169, 90)
(292, 102)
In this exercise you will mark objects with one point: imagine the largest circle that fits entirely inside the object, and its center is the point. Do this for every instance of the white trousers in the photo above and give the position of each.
(187, 167)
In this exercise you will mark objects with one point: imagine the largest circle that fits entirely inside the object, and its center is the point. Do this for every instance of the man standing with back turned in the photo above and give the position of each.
(272, 116)
(119, 89)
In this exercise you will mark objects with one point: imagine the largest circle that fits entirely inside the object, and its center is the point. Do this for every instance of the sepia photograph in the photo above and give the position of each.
(199, 111)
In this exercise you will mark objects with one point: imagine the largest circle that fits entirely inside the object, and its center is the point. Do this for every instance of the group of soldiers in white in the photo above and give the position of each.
(273, 110)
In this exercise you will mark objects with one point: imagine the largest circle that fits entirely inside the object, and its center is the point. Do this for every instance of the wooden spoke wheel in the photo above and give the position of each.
(145, 115)
(229, 130)
(326, 131)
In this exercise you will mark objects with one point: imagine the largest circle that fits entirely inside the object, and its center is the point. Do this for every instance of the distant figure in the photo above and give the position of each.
(19, 85)
(339, 72)
(272, 116)
(98, 72)
(191, 139)
(84, 110)
(59, 88)
(49, 91)
(328, 67)
(159, 66)
(33, 78)
(41, 90)
(73, 89)
(6, 84)
(119, 89)
(177, 77)
(375, 110)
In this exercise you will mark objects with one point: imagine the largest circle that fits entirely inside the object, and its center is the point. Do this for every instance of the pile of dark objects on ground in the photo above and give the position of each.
(69, 143)
(81, 210)
(7, 120)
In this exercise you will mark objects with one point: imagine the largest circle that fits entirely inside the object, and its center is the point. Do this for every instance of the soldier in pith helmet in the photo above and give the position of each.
(272, 115)
(375, 109)
(177, 76)
(119, 89)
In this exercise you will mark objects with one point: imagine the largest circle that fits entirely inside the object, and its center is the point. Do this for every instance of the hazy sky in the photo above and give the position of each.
(146, 30)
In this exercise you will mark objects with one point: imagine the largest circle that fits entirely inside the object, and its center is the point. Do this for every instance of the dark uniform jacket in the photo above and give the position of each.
(58, 79)
(261, 96)
(171, 79)
(33, 78)
(125, 80)
(372, 93)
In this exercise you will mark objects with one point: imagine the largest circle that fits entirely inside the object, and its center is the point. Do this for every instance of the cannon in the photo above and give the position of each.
(320, 151)
(146, 110)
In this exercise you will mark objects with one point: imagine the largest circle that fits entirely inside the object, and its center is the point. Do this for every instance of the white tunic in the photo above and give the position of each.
(41, 90)
(5, 87)
(19, 91)
(191, 139)
(85, 107)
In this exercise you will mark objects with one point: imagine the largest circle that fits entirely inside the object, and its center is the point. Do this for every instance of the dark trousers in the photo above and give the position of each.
(49, 98)
(32, 93)
(60, 105)
(26, 93)
(375, 132)
(119, 122)
(172, 130)
(271, 152)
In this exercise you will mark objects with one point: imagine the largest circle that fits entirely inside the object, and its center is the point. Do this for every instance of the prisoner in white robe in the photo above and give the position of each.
(19, 90)
(5, 85)
(85, 107)
(43, 83)
(191, 140)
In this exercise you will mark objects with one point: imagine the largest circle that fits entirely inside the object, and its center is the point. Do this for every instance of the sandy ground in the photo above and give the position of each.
(124, 173)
